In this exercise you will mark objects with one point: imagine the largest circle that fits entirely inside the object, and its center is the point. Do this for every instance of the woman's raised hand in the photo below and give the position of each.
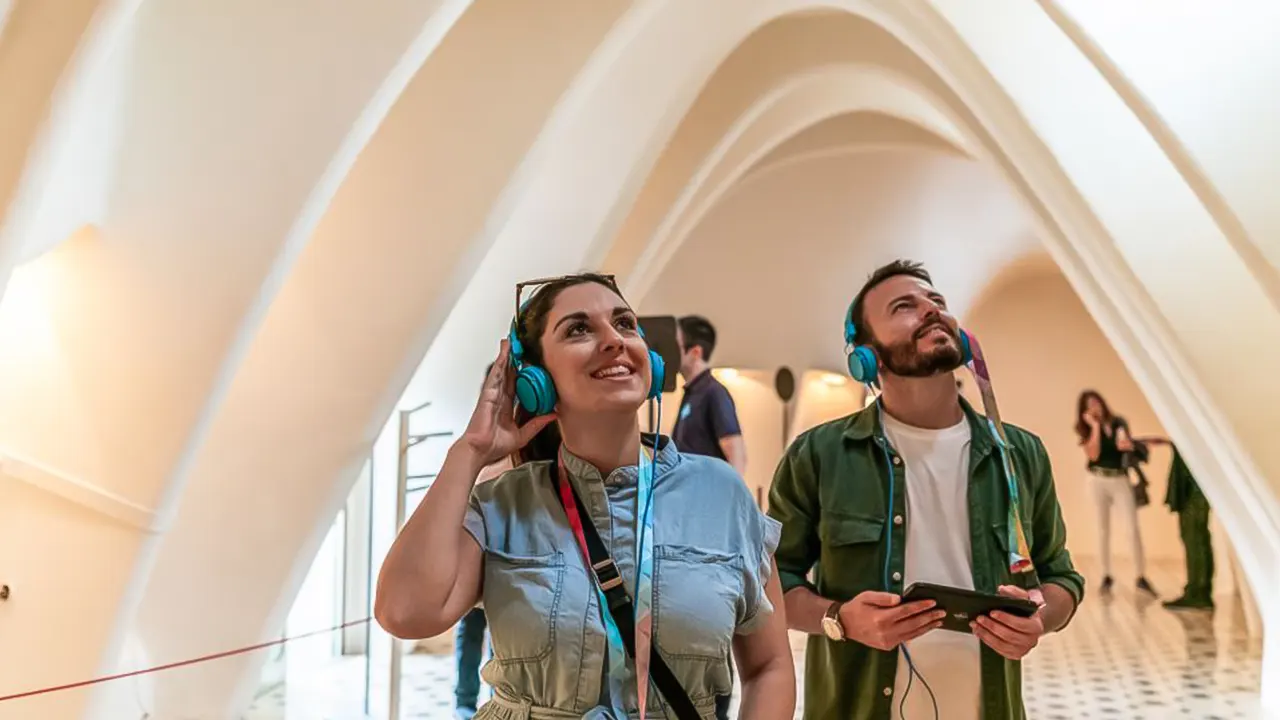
(492, 433)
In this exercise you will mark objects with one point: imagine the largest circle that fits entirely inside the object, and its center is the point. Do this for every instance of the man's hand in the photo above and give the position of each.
(1010, 635)
(881, 620)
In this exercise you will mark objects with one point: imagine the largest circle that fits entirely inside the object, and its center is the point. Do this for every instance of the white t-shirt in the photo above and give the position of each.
(938, 551)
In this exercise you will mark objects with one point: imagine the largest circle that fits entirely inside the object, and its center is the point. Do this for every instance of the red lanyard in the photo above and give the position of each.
(571, 510)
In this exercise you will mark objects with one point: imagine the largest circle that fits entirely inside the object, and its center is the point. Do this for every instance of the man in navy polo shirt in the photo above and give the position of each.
(707, 423)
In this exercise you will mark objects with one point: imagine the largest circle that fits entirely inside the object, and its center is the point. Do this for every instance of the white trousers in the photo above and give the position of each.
(1115, 490)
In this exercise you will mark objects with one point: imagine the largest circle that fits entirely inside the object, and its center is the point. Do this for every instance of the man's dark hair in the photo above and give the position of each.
(862, 334)
(698, 332)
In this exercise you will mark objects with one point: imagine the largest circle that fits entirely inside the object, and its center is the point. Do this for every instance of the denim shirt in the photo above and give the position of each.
(712, 557)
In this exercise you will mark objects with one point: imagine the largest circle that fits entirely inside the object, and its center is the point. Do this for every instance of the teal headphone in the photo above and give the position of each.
(862, 359)
(537, 393)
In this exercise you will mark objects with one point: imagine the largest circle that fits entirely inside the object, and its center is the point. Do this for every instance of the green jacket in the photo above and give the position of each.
(1182, 484)
(830, 491)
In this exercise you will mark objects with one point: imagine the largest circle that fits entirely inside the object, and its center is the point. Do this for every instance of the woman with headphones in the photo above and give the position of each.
(618, 574)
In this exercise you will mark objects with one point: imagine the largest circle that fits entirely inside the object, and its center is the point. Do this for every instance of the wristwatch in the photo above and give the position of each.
(831, 625)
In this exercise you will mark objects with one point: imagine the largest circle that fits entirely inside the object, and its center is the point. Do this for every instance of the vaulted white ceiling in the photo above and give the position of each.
(777, 261)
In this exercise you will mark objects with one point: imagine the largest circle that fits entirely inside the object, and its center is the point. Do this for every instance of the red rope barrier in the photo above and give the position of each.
(182, 663)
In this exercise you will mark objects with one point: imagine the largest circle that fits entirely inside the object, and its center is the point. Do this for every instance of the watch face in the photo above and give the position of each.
(832, 628)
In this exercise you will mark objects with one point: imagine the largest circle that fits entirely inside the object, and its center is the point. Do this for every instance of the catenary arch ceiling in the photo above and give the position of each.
(784, 76)
(783, 113)
(560, 208)
(849, 133)
(776, 262)
(780, 115)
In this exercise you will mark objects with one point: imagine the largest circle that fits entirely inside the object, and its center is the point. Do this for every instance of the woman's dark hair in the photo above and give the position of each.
(530, 325)
(1082, 427)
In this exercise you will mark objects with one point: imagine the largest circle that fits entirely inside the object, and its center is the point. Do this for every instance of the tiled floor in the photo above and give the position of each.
(1128, 657)
(1123, 657)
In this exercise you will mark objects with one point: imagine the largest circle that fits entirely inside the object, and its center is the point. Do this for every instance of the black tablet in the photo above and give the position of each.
(965, 606)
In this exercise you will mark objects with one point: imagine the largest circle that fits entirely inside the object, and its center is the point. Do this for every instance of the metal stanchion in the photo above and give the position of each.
(402, 481)
(407, 441)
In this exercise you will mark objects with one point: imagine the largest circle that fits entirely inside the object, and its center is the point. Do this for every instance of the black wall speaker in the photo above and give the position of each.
(660, 333)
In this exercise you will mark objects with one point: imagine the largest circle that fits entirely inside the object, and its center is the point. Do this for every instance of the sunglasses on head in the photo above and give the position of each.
(520, 286)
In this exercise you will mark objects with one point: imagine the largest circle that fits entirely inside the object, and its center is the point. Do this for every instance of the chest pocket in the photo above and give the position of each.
(522, 595)
(697, 594)
(851, 552)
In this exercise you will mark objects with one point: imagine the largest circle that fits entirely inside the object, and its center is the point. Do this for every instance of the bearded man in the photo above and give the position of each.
(913, 488)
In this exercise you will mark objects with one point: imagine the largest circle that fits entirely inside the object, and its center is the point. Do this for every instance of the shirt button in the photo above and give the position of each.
(888, 692)
(897, 577)
(897, 460)
(897, 519)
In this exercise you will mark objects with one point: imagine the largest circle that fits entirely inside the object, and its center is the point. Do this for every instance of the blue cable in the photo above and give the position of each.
(912, 672)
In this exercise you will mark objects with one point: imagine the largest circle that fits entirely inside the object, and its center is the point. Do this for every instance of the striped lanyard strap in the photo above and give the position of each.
(1020, 564)
(619, 675)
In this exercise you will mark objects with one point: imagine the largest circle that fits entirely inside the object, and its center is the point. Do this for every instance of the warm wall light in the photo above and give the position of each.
(834, 380)
(24, 312)
(726, 374)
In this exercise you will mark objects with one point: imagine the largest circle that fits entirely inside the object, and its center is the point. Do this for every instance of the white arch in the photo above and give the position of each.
(339, 342)
(847, 134)
(153, 321)
(1235, 66)
(42, 79)
(784, 112)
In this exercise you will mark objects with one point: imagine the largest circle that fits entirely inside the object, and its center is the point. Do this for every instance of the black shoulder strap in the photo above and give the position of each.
(624, 614)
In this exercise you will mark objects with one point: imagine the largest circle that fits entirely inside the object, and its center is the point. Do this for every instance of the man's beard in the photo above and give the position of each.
(905, 360)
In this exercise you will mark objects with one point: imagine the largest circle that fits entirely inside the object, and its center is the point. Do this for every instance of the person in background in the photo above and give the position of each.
(469, 639)
(707, 422)
(1105, 439)
(1185, 498)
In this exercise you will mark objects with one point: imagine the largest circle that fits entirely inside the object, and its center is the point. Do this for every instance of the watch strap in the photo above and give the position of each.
(833, 614)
